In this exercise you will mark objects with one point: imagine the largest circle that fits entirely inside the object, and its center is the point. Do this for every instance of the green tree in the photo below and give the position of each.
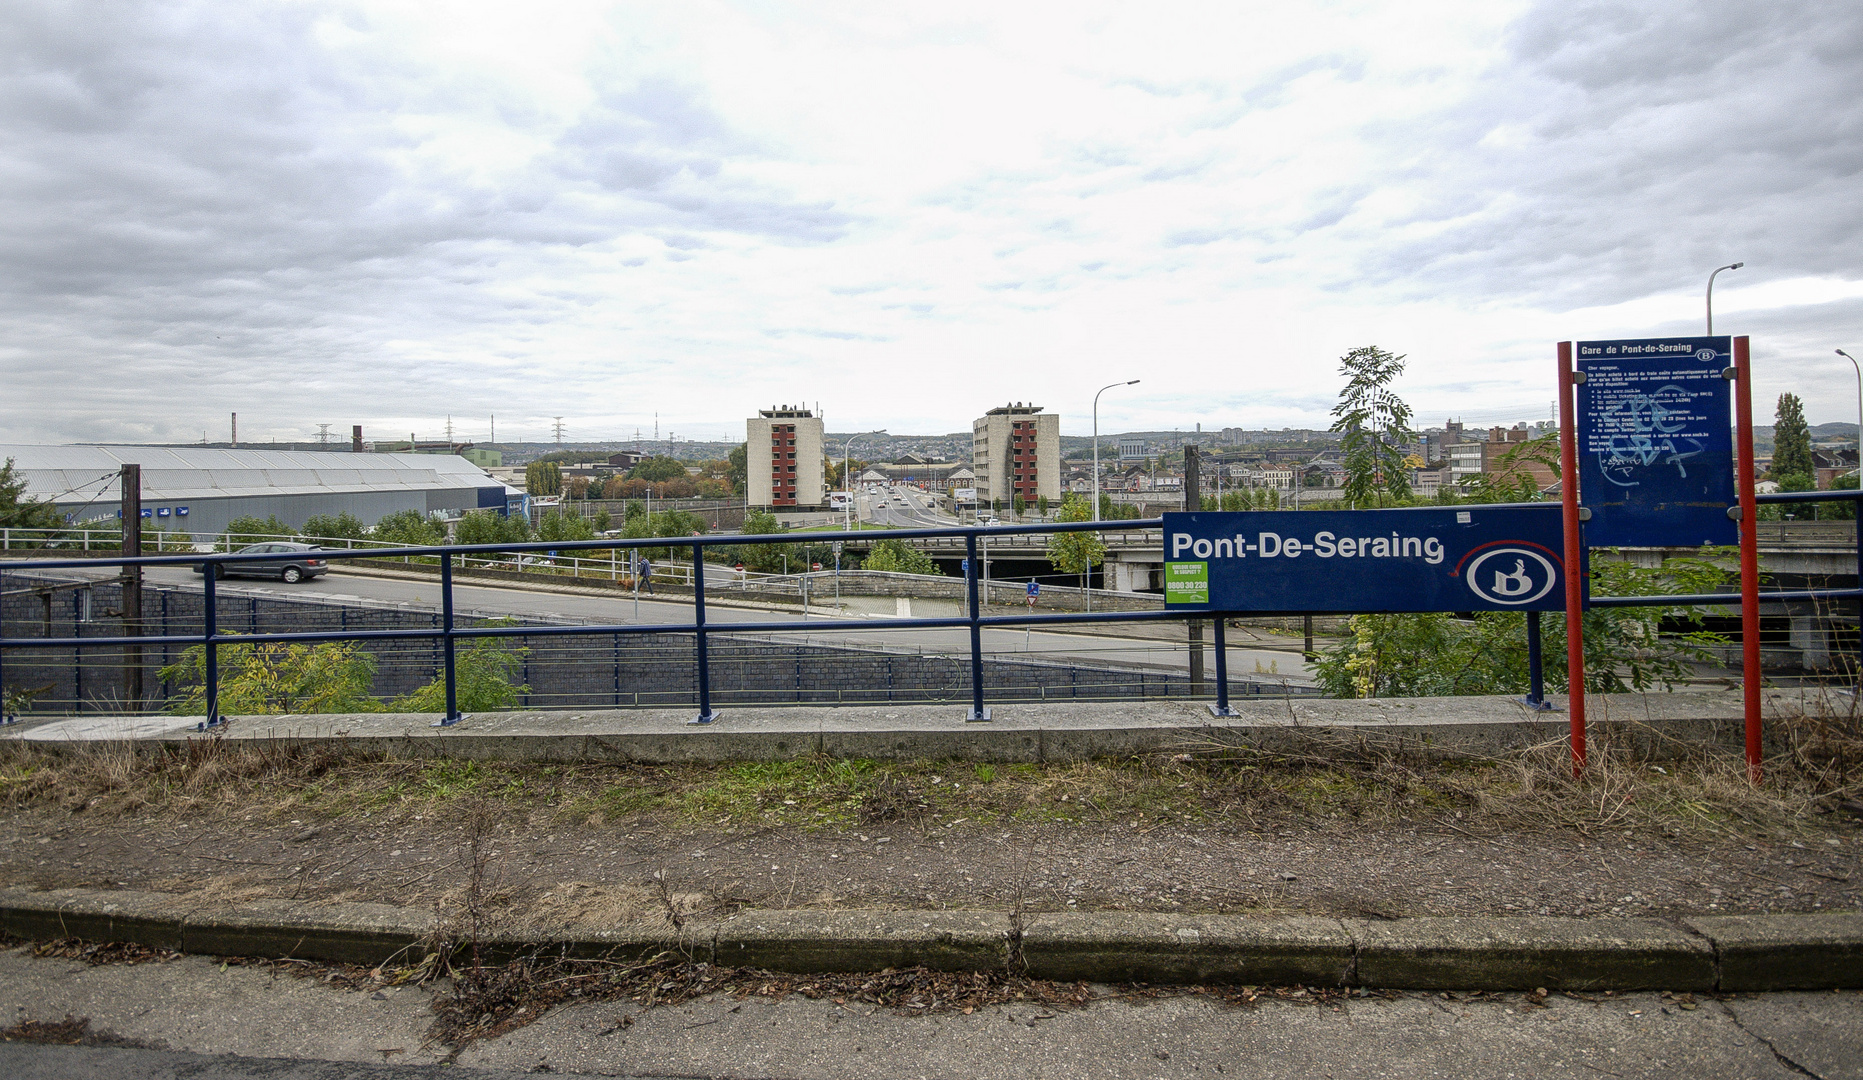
(1375, 426)
(276, 677)
(484, 678)
(561, 527)
(763, 558)
(1791, 440)
(635, 509)
(1791, 511)
(17, 511)
(1435, 655)
(490, 527)
(665, 524)
(895, 557)
(343, 526)
(1041, 505)
(409, 528)
(739, 473)
(603, 520)
(658, 470)
(250, 530)
(1840, 511)
(1076, 552)
(543, 478)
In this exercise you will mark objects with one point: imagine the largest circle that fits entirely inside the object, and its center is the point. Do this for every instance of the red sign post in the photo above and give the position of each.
(1749, 554)
(1749, 548)
(1574, 558)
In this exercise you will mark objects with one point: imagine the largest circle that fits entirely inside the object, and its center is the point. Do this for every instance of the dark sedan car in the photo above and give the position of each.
(289, 571)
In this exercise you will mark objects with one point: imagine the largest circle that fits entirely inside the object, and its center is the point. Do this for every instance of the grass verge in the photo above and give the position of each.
(1814, 781)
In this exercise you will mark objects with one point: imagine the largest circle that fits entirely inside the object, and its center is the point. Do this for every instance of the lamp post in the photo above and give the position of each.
(1859, 367)
(1729, 266)
(1096, 442)
(848, 481)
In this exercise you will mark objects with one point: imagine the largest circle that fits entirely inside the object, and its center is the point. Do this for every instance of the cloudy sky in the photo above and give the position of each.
(386, 213)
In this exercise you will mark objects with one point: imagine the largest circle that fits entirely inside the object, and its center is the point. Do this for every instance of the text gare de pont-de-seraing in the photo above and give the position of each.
(1268, 545)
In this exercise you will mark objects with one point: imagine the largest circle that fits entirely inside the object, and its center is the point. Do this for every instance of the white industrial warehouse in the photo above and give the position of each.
(198, 489)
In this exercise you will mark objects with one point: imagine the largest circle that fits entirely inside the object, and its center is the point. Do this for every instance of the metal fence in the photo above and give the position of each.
(447, 634)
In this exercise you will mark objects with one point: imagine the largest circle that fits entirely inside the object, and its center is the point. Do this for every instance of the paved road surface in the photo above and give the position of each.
(486, 600)
(193, 1006)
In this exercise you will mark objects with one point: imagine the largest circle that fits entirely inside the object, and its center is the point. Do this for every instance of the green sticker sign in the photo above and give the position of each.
(1186, 583)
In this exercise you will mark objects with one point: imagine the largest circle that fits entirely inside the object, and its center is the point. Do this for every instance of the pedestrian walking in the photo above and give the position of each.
(646, 573)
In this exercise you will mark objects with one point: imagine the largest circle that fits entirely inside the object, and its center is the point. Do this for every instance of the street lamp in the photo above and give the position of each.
(1096, 442)
(848, 481)
(1729, 266)
(1859, 367)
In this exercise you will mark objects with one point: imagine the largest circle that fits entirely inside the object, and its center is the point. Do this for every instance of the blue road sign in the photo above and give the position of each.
(1655, 441)
(1467, 558)
(1034, 590)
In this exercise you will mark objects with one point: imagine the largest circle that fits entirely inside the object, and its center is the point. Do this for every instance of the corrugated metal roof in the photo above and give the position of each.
(70, 475)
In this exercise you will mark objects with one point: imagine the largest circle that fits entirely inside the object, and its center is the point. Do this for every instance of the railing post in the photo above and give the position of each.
(706, 713)
(6, 715)
(978, 713)
(210, 628)
(446, 641)
(1536, 674)
(1221, 708)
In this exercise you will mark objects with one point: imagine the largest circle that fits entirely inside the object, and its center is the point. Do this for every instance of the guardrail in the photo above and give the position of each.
(974, 620)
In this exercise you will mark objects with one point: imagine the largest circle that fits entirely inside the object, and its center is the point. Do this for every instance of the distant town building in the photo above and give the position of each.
(484, 459)
(1016, 451)
(932, 474)
(783, 459)
(1130, 449)
(1833, 462)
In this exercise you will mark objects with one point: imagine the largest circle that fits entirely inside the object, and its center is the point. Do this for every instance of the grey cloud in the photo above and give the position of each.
(1631, 149)
(206, 204)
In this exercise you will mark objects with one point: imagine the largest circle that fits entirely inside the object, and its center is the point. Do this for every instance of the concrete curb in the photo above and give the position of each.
(1706, 953)
(1650, 726)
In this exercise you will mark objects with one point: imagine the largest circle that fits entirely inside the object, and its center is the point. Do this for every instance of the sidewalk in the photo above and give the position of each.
(1658, 725)
(1711, 954)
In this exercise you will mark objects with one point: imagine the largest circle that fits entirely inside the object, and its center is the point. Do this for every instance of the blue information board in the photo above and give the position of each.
(1655, 441)
(1448, 558)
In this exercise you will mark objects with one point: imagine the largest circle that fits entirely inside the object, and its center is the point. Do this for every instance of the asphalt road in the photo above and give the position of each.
(197, 1011)
(484, 600)
(907, 508)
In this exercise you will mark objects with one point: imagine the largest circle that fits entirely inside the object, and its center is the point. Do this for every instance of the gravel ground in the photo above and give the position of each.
(625, 870)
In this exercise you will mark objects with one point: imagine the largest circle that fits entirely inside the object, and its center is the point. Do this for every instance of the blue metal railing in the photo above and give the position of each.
(974, 620)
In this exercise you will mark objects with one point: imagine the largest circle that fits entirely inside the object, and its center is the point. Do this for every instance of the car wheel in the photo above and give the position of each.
(218, 572)
(291, 575)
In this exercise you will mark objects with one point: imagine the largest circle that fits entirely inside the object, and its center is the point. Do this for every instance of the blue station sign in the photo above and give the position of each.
(1449, 558)
(1655, 441)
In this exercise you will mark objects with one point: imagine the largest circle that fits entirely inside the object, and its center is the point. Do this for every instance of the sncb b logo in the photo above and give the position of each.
(1510, 576)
